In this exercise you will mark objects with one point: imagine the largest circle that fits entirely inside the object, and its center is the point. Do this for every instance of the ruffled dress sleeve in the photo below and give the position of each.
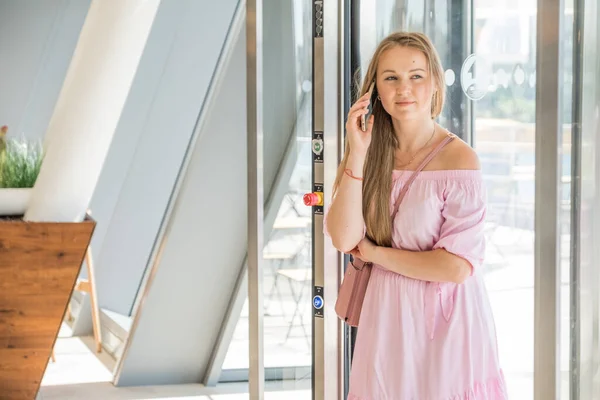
(464, 212)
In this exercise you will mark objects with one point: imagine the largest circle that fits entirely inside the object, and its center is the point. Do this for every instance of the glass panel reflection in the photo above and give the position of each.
(504, 136)
(287, 253)
(585, 373)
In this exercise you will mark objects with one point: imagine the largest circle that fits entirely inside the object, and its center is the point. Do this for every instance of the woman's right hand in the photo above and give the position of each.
(358, 140)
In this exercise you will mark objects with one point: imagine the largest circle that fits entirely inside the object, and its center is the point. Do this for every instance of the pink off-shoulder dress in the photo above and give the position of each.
(420, 340)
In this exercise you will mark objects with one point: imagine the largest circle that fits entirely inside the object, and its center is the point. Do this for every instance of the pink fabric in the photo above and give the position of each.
(421, 340)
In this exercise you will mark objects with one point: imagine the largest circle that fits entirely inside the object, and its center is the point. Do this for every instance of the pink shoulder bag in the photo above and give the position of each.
(356, 278)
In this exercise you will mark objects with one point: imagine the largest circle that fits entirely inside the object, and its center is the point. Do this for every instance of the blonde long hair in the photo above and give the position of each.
(379, 163)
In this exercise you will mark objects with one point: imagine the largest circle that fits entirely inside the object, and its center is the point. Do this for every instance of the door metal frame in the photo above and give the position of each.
(575, 212)
(254, 93)
(351, 63)
(548, 143)
(460, 117)
(326, 125)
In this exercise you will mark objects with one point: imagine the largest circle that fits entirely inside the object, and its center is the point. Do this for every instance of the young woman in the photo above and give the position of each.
(426, 329)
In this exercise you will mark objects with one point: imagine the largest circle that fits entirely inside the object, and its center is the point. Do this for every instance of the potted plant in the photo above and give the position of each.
(20, 162)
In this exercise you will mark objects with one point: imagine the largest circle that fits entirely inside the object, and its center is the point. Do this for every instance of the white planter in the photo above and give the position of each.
(14, 201)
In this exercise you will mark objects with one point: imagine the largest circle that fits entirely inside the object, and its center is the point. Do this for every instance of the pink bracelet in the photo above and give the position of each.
(348, 172)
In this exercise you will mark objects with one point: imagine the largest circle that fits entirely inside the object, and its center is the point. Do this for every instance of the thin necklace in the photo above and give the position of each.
(418, 151)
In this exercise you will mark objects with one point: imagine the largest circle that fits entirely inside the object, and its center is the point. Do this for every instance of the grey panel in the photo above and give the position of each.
(202, 254)
(37, 40)
(152, 137)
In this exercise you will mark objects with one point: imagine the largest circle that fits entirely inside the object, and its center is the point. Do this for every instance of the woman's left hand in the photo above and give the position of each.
(365, 250)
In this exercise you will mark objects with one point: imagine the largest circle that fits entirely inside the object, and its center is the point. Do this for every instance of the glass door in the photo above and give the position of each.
(488, 50)
(287, 224)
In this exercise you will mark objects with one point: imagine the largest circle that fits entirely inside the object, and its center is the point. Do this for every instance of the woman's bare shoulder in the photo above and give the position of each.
(458, 155)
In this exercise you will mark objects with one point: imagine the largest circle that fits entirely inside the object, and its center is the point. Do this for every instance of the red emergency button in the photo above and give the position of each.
(313, 199)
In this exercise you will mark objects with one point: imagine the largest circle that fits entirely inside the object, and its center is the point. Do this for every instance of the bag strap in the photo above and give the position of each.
(423, 164)
(357, 263)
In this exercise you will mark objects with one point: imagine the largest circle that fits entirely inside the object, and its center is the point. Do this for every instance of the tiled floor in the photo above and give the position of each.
(106, 391)
(78, 374)
(77, 364)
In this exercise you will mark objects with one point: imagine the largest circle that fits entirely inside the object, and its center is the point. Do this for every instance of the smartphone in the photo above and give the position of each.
(365, 117)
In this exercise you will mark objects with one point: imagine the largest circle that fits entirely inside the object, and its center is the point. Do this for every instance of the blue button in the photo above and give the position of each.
(318, 302)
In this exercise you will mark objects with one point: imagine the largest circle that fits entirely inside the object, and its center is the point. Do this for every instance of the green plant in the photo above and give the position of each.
(20, 163)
